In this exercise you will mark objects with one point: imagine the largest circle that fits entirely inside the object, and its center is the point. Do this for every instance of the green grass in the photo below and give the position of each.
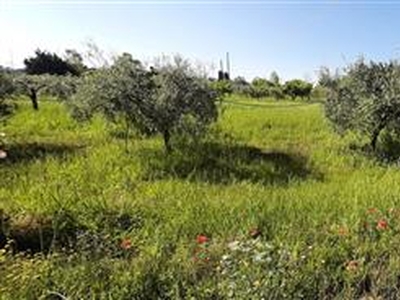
(272, 166)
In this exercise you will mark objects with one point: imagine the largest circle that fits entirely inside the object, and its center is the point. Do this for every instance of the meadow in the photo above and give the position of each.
(271, 204)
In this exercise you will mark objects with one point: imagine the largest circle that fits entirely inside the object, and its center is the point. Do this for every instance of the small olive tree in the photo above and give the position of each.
(58, 86)
(118, 91)
(167, 99)
(366, 99)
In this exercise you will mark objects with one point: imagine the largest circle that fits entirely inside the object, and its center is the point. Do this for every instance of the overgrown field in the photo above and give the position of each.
(271, 204)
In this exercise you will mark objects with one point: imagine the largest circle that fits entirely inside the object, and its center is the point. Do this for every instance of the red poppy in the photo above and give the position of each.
(126, 244)
(382, 224)
(201, 239)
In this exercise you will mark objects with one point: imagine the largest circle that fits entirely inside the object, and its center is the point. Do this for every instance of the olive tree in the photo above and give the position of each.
(182, 101)
(6, 108)
(297, 88)
(260, 87)
(58, 86)
(6, 89)
(118, 91)
(6, 85)
(366, 99)
(44, 62)
(164, 100)
(222, 87)
(240, 86)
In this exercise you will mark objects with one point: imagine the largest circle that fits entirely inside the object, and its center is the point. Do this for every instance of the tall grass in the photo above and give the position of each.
(274, 168)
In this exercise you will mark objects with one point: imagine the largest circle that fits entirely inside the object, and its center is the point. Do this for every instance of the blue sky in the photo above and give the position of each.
(293, 38)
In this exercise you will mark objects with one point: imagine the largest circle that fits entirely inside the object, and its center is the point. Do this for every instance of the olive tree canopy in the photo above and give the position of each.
(164, 100)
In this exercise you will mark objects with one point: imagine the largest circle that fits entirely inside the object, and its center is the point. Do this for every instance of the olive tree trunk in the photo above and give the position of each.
(167, 140)
(33, 97)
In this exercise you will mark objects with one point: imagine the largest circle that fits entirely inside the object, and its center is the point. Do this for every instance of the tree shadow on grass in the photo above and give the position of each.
(223, 164)
(26, 152)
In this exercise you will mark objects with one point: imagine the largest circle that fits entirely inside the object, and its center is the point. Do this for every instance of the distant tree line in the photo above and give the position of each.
(262, 88)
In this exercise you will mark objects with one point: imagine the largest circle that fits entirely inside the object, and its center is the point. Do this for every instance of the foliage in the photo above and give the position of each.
(240, 86)
(274, 78)
(319, 93)
(276, 92)
(62, 87)
(171, 99)
(49, 63)
(366, 99)
(75, 59)
(326, 79)
(222, 87)
(6, 89)
(6, 84)
(182, 101)
(260, 88)
(116, 91)
(297, 88)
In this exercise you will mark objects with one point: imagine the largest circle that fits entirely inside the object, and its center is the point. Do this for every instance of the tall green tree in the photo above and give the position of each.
(44, 62)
